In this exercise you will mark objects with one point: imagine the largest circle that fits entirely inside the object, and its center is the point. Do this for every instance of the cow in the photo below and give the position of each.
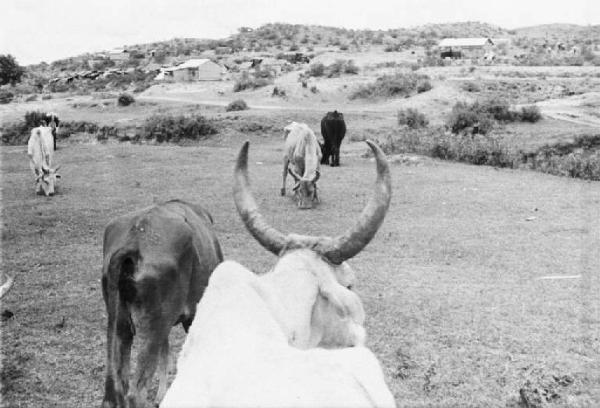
(51, 120)
(41, 154)
(333, 130)
(156, 265)
(302, 160)
(292, 337)
(6, 286)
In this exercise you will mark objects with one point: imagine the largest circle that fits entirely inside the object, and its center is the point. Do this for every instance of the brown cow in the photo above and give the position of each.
(157, 262)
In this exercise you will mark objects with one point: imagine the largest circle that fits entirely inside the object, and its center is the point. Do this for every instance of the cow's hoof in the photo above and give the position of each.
(282, 192)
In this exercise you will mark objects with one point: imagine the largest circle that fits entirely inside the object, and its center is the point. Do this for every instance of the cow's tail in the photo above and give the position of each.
(121, 275)
(120, 291)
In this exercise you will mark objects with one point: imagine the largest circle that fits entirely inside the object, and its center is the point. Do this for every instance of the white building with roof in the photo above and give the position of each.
(475, 47)
(196, 69)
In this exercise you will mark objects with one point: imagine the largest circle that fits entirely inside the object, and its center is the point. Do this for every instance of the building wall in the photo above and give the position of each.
(209, 72)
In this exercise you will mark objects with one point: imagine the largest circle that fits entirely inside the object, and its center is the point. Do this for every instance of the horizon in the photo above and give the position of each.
(71, 28)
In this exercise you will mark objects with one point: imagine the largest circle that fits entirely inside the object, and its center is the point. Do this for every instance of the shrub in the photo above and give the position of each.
(279, 92)
(316, 70)
(314, 89)
(530, 113)
(423, 86)
(34, 119)
(6, 96)
(465, 116)
(399, 84)
(125, 99)
(412, 118)
(498, 108)
(470, 86)
(46, 97)
(169, 128)
(237, 105)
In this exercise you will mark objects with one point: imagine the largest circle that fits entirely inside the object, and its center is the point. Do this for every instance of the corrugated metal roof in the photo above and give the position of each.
(465, 42)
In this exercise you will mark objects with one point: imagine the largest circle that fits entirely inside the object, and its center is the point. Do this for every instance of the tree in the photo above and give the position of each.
(10, 71)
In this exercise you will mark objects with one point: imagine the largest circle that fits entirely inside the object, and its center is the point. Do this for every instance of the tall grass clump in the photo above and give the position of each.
(396, 85)
(237, 105)
(412, 118)
(125, 99)
(173, 128)
(469, 116)
(336, 69)
(530, 113)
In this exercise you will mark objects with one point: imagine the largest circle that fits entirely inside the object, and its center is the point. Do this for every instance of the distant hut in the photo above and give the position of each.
(193, 70)
(475, 48)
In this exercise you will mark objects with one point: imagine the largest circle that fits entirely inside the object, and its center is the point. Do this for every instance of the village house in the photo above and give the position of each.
(473, 48)
(118, 54)
(193, 70)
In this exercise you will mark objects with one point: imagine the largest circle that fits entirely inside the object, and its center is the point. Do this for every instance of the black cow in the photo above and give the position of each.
(51, 120)
(333, 129)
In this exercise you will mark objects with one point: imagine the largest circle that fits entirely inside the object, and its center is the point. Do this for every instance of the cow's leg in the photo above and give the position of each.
(163, 367)
(326, 153)
(119, 338)
(335, 160)
(153, 333)
(286, 163)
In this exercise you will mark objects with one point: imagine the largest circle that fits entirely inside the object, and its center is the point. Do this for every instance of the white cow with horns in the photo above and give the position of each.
(40, 149)
(292, 337)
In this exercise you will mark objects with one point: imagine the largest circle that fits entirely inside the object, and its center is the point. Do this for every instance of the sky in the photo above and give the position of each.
(45, 30)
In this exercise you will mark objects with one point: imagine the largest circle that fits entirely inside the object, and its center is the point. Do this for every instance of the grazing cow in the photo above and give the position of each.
(157, 262)
(51, 120)
(333, 129)
(301, 159)
(41, 152)
(292, 337)
(6, 286)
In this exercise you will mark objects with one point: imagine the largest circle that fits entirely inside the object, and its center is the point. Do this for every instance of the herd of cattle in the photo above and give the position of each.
(292, 337)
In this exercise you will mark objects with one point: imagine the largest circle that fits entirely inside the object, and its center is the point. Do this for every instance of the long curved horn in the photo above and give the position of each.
(294, 174)
(6, 286)
(356, 238)
(266, 235)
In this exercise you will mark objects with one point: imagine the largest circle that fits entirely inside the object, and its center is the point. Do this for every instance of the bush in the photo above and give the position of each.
(470, 86)
(465, 116)
(412, 118)
(314, 89)
(237, 105)
(6, 96)
(316, 70)
(399, 84)
(279, 92)
(125, 99)
(530, 113)
(169, 128)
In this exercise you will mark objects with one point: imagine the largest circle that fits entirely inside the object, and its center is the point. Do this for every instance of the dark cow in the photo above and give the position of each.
(51, 120)
(157, 263)
(333, 129)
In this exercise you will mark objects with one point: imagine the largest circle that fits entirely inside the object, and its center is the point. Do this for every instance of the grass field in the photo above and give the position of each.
(456, 310)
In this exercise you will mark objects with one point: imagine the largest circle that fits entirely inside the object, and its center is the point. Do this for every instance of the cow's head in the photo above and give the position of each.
(305, 189)
(337, 312)
(46, 181)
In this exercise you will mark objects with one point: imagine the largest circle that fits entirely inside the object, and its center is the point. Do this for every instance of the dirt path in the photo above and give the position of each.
(582, 109)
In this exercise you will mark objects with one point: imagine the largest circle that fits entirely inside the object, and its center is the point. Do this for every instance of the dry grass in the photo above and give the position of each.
(455, 310)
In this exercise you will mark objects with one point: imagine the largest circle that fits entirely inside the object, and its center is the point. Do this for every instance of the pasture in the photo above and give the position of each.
(459, 308)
